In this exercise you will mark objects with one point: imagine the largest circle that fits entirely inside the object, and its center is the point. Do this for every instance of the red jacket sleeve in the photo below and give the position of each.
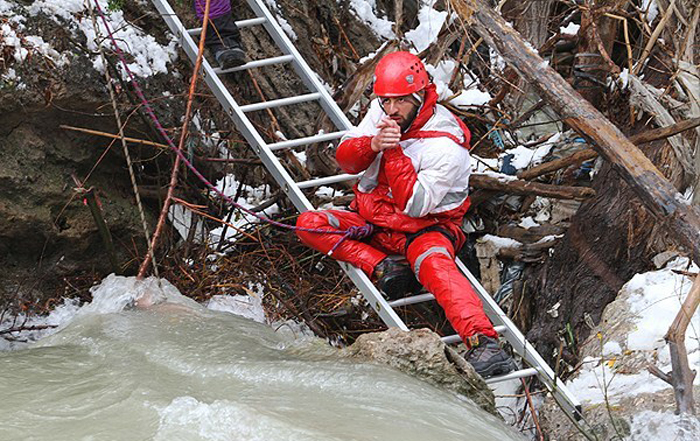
(355, 154)
(401, 175)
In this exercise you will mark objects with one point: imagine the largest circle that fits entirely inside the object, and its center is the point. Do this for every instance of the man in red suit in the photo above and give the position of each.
(415, 157)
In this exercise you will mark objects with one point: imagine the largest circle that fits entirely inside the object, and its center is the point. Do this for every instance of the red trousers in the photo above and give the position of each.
(431, 255)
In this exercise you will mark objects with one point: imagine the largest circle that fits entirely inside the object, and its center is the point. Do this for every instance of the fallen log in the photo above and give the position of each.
(655, 191)
(588, 154)
(521, 187)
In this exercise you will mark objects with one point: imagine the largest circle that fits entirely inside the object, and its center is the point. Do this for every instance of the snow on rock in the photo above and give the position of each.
(148, 57)
(5, 7)
(632, 333)
(597, 382)
(614, 381)
(499, 242)
(365, 11)
(528, 222)
(524, 157)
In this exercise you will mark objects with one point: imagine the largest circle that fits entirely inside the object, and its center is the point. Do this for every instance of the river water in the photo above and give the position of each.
(179, 371)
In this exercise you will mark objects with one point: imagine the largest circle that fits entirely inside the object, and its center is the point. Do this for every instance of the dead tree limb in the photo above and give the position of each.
(587, 154)
(655, 191)
(682, 378)
(518, 186)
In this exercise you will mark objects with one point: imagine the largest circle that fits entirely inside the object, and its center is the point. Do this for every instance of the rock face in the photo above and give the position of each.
(422, 354)
(48, 237)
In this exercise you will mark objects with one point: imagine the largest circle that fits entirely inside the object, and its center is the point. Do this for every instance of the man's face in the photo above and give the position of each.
(401, 109)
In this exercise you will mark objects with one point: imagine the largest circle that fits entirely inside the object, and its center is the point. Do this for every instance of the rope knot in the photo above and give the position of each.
(355, 232)
(360, 231)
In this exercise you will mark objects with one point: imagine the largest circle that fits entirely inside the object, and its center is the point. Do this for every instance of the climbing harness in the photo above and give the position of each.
(536, 366)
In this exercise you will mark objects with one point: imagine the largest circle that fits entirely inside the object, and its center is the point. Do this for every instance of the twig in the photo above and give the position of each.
(682, 378)
(129, 162)
(111, 135)
(654, 36)
(532, 410)
(26, 328)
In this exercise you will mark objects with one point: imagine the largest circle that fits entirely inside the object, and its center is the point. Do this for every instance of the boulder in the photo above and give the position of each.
(421, 353)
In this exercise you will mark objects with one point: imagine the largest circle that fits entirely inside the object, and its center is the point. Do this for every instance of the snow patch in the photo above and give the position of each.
(570, 29)
(500, 242)
(148, 56)
(655, 426)
(284, 24)
(528, 222)
(5, 7)
(470, 95)
(430, 22)
(250, 197)
(524, 157)
(596, 381)
(656, 299)
(365, 11)
(651, 8)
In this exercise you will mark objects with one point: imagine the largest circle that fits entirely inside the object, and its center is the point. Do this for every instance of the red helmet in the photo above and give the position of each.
(399, 74)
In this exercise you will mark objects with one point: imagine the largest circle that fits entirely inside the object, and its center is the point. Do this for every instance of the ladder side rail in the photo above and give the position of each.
(373, 297)
(521, 345)
(233, 110)
(306, 74)
(369, 291)
(281, 176)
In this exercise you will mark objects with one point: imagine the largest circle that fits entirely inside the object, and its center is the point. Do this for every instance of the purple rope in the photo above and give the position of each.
(358, 232)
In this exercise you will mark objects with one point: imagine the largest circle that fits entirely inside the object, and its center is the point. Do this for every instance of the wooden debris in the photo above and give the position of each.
(521, 187)
(655, 191)
(588, 154)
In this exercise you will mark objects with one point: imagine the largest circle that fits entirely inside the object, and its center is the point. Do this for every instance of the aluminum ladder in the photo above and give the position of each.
(504, 326)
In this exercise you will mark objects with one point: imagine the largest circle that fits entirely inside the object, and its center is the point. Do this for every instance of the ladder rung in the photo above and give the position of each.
(326, 181)
(501, 329)
(281, 102)
(449, 339)
(257, 63)
(305, 141)
(522, 373)
(241, 24)
(412, 300)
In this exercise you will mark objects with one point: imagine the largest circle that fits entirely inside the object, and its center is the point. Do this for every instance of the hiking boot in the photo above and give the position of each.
(487, 357)
(230, 58)
(224, 41)
(396, 279)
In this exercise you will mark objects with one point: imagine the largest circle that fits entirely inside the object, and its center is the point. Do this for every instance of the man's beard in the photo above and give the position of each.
(406, 123)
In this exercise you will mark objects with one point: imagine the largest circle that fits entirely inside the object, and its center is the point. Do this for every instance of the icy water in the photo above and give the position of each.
(181, 372)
